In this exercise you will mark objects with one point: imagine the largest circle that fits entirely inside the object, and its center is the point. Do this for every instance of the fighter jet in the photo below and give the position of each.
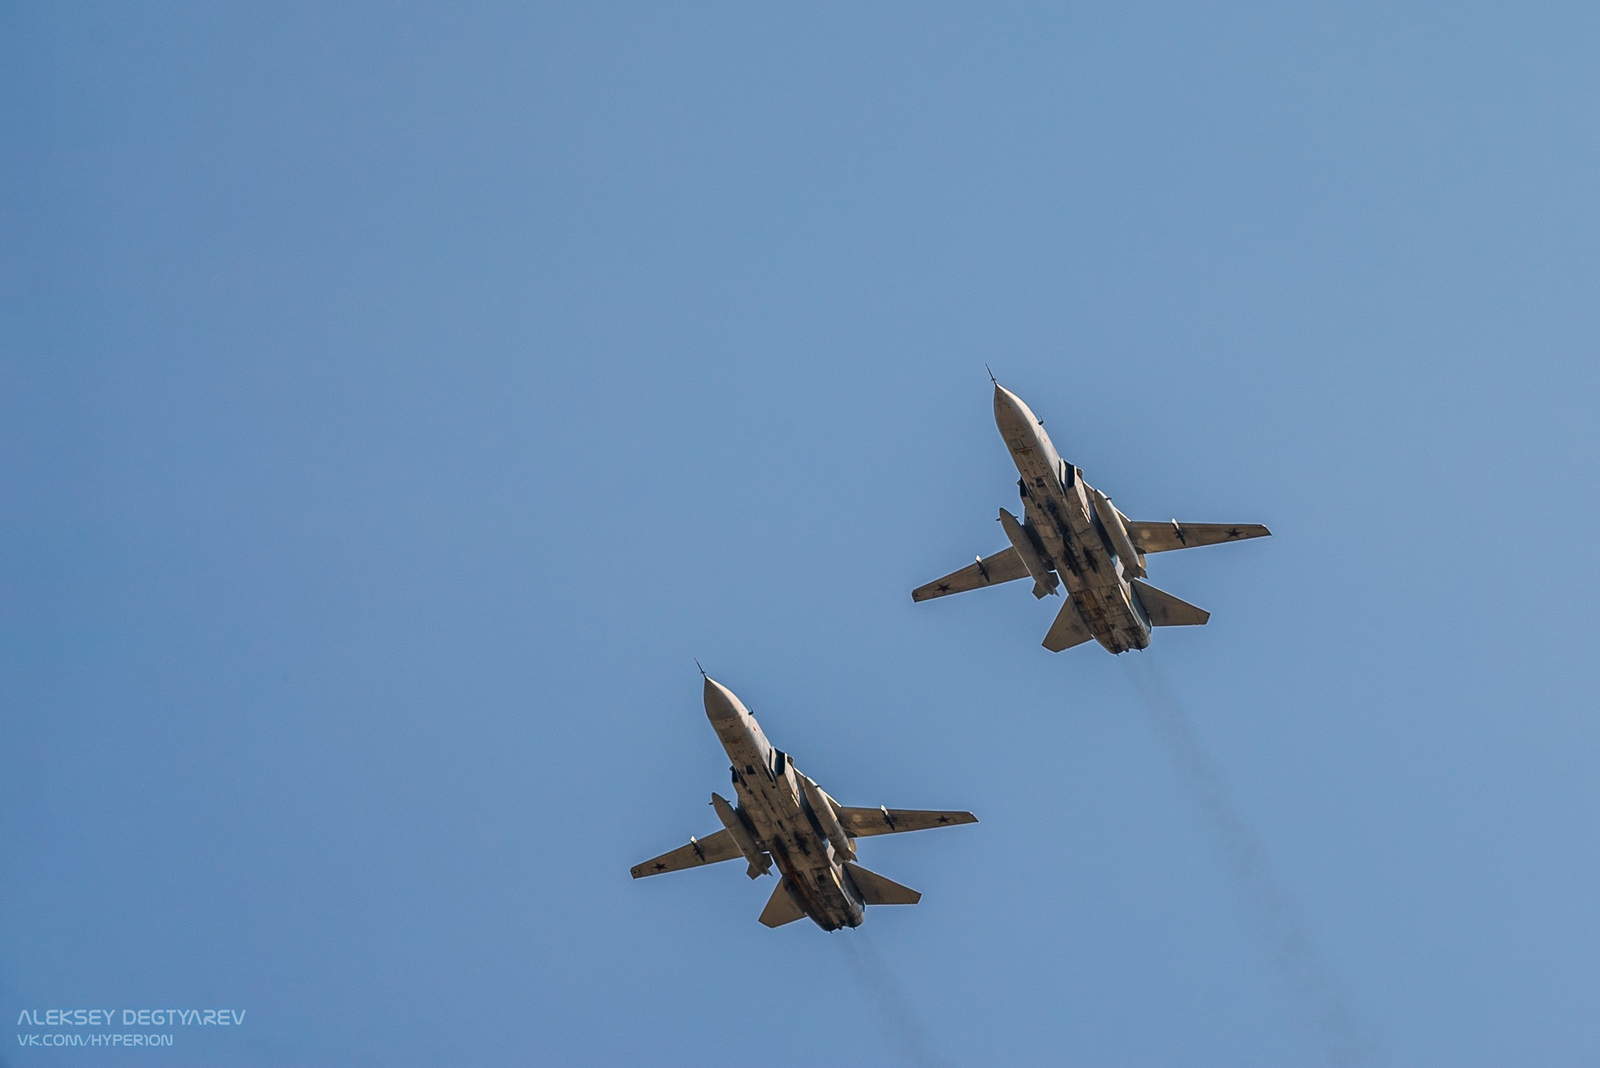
(1070, 533)
(780, 815)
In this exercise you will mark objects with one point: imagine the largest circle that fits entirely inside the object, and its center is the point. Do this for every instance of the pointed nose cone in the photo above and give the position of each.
(1013, 417)
(721, 705)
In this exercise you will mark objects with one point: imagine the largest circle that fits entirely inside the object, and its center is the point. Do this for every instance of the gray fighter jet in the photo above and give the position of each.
(783, 816)
(1072, 532)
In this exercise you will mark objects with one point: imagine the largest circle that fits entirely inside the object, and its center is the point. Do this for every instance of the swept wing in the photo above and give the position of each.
(1003, 566)
(862, 822)
(711, 849)
(1164, 537)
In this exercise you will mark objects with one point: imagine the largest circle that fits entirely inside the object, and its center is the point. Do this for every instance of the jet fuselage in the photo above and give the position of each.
(778, 816)
(1060, 519)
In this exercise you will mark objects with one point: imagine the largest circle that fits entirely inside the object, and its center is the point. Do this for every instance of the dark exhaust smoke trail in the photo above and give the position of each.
(1272, 908)
(887, 996)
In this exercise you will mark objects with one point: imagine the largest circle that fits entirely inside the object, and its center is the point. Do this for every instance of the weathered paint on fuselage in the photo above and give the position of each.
(778, 816)
(1071, 539)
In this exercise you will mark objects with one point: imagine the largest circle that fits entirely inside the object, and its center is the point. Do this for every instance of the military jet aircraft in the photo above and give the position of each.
(1071, 531)
(781, 815)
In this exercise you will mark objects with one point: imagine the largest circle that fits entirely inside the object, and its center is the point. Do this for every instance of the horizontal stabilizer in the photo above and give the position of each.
(1166, 610)
(1068, 630)
(876, 890)
(708, 850)
(781, 907)
(1003, 566)
(862, 822)
(1164, 537)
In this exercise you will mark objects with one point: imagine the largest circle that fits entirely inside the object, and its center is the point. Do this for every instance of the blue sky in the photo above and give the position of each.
(395, 401)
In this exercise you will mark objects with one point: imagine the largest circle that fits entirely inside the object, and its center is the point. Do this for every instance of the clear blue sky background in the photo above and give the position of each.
(394, 401)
